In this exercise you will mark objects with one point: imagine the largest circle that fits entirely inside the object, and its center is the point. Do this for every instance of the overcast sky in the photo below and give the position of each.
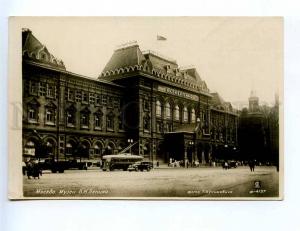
(233, 55)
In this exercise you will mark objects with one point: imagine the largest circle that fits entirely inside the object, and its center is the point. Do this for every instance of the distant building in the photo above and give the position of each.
(259, 131)
(140, 97)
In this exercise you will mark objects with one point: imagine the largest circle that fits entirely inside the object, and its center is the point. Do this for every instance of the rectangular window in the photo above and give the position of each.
(70, 119)
(92, 98)
(84, 97)
(110, 101)
(31, 114)
(42, 89)
(70, 94)
(104, 99)
(109, 123)
(33, 88)
(78, 96)
(98, 121)
(50, 118)
(50, 91)
(84, 121)
(98, 99)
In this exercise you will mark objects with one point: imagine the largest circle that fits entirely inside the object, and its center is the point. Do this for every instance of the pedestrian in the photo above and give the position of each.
(29, 168)
(157, 164)
(23, 168)
(251, 165)
(36, 171)
(226, 165)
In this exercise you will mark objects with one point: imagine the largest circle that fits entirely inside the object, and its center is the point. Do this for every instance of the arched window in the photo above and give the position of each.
(176, 112)
(158, 108)
(69, 149)
(193, 116)
(98, 149)
(168, 111)
(185, 115)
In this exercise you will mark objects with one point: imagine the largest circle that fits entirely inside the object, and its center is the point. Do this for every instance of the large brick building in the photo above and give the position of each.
(140, 97)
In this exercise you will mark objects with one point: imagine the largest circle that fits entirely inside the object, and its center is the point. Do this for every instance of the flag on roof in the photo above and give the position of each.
(161, 38)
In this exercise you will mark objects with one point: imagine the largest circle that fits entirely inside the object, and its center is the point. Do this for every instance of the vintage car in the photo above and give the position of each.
(140, 166)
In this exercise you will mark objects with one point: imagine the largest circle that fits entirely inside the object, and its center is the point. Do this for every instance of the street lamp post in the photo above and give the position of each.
(226, 153)
(130, 141)
(191, 143)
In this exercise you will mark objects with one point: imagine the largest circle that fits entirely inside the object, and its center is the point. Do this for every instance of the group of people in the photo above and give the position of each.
(180, 163)
(31, 168)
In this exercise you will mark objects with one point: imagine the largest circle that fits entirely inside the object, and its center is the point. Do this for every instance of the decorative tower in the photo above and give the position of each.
(253, 102)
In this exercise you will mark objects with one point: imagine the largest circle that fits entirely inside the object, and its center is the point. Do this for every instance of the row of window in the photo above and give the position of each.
(188, 115)
(50, 119)
(222, 136)
(50, 90)
(91, 98)
(42, 89)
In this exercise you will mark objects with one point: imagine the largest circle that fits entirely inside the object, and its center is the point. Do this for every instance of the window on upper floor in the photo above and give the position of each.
(50, 116)
(71, 116)
(92, 98)
(78, 96)
(110, 122)
(185, 114)
(84, 120)
(84, 97)
(42, 89)
(168, 110)
(147, 122)
(70, 119)
(98, 121)
(71, 95)
(193, 116)
(33, 88)
(32, 114)
(158, 109)
(176, 112)
(104, 99)
(98, 100)
(50, 90)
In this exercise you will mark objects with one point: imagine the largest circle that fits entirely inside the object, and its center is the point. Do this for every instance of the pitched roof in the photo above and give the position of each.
(125, 57)
(33, 49)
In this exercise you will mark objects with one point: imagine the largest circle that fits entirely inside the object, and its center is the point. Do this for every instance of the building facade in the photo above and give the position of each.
(259, 131)
(140, 98)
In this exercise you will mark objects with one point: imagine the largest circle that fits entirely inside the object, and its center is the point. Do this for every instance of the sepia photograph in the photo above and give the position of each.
(166, 108)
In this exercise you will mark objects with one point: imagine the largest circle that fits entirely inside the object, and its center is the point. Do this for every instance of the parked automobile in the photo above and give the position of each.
(232, 164)
(141, 166)
(61, 166)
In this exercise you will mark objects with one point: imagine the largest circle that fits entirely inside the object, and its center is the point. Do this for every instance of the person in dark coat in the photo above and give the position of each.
(251, 165)
(29, 168)
(36, 171)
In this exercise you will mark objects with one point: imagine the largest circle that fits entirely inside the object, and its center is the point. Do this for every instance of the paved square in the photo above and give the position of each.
(164, 182)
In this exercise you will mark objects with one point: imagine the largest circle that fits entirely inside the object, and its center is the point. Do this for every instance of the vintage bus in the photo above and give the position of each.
(119, 161)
